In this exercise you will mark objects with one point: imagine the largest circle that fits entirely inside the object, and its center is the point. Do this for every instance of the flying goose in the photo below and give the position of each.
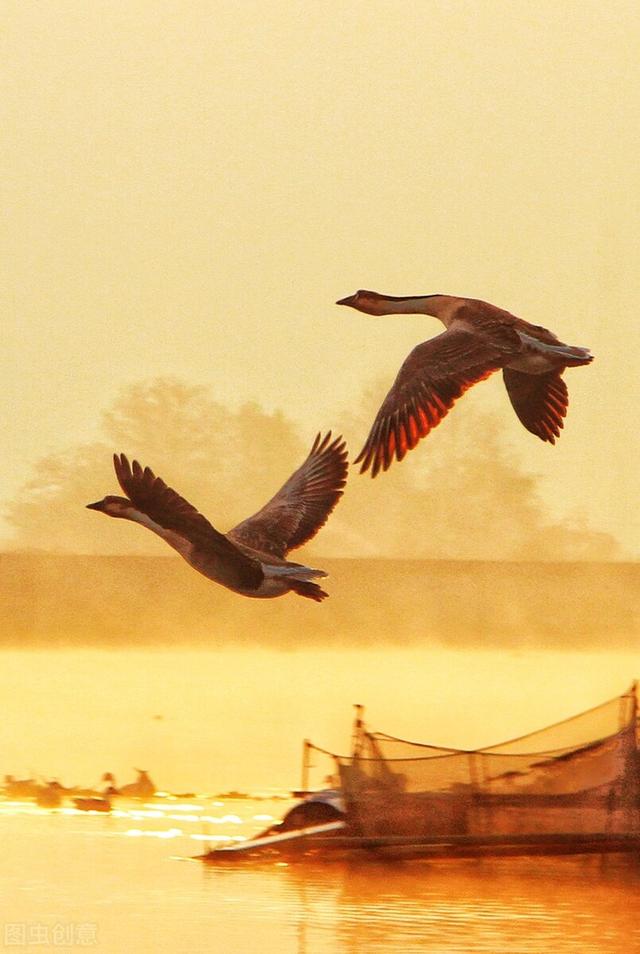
(250, 559)
(479, 339)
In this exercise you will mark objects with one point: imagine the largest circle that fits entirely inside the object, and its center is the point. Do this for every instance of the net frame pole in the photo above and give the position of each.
(633, 692)
(633, 811)
(306, 765)
(357, 743)
(358, 731)
(476, 820)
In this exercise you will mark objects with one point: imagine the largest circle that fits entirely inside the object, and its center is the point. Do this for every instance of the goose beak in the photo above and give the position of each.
(346, 301)
(96, 506)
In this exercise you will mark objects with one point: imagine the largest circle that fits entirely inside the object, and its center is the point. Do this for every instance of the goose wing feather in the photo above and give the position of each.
(302, 505)
(498, 324)
(435, 374)
(539, 400)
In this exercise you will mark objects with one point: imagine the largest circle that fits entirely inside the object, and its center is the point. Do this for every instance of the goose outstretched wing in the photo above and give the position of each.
(433, 377)
(539, 400)
(303, 503)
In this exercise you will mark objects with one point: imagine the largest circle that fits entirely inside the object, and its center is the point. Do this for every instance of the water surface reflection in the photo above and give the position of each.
(133, 876)
(521, 905)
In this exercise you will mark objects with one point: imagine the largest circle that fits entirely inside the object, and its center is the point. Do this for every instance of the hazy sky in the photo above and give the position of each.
(188, 187)
(243, 718)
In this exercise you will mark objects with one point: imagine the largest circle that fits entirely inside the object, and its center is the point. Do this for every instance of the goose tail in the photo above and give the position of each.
(571, 355)
(296, 570)
(576, 356)
(310, 590)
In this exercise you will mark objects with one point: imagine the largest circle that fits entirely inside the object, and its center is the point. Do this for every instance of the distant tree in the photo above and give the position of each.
(227, 463)
(48, 514)
(462, 494)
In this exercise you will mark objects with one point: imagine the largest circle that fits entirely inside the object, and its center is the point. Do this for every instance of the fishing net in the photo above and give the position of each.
(578, 776)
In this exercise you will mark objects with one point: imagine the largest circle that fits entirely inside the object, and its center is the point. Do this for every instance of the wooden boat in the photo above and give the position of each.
(93, 804)
(300, 839)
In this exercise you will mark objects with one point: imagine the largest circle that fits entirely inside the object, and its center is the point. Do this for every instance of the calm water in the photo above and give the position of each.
(127, 882)
(214, 721)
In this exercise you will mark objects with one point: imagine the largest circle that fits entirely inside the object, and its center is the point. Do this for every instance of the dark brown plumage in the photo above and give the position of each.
(432, 378)
(302, 505)
(250, 559)
(480, 339)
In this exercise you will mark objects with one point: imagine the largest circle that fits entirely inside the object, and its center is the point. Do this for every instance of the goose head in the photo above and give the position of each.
(373, 303)
(112, 506)
(370, 302)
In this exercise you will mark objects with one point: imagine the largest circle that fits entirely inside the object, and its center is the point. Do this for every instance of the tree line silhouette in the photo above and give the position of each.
(463, 495)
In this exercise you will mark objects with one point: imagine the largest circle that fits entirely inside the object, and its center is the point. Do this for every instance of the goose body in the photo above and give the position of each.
(479, 338)
(251, 558)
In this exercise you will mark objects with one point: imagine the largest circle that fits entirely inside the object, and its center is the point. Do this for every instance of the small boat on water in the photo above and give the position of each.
(302, 838)
(93, 804)
(320, 815)
(570, 788)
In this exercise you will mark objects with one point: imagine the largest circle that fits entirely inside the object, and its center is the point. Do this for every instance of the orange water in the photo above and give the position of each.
(215, 721)
(129, 882)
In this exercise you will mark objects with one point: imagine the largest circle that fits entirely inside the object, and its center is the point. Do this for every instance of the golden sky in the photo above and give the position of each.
(243, 718)
(188, 187)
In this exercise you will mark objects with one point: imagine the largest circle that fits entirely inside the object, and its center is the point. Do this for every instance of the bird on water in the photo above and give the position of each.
(479, 339)
(250, 559)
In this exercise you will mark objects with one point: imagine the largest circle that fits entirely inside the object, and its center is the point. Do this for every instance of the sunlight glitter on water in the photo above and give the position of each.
(162, 833)
(157, 904)
(132, 871)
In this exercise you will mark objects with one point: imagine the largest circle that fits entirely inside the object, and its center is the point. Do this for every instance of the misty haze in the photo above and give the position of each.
(188, 189)
(452, 547)
(463, 494)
